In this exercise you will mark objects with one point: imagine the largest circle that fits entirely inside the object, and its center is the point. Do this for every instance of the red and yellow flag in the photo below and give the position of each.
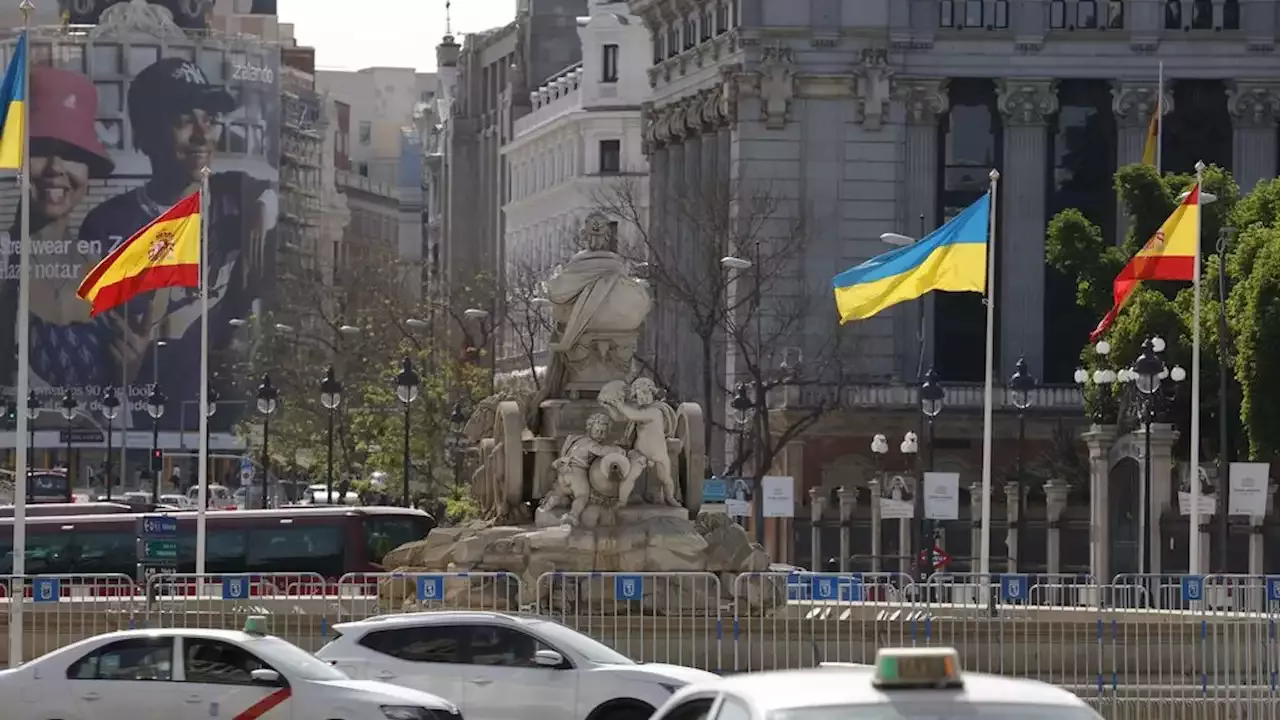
(1149, 149)
(1170, 254)
(165, 253)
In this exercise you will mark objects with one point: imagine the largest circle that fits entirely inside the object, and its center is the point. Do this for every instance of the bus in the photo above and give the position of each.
(63, 508)
(329, 542)
(43, 486)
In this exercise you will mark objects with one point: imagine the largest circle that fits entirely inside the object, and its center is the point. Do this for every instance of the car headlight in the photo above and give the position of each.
(407, 712)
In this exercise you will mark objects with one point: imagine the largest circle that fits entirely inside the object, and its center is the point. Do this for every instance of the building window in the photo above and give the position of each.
(708, 22)
(690, 33)
(363, 169)
(673, 41)
(366, 132)
(722, 16)
(659, 47)
(610, 156)
(610, 70)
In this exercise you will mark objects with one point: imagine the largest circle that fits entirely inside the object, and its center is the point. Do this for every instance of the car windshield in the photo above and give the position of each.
(937, 710)
(575, 642)
(294, 662)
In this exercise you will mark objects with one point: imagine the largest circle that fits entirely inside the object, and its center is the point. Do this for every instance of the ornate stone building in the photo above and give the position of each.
(885, 116)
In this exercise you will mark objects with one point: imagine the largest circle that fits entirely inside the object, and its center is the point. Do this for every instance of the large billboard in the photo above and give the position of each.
(120, 129)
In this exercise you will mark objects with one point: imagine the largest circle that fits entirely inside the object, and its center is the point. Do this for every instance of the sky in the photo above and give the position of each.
(387, 33)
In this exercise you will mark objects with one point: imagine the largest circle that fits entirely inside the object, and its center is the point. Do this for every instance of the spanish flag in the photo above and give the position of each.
(13, 95)
(1149, 150)
(1170, 254)
(165, 253)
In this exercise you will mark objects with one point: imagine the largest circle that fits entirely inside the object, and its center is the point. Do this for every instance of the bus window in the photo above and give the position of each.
(384, 533)
(224, 551)
(103, 553)
(296, 549)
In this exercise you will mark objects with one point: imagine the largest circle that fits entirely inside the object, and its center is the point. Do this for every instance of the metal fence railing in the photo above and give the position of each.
(1138, 646)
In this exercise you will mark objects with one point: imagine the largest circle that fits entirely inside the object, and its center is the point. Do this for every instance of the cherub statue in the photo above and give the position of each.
(584, 467)
(651, 422)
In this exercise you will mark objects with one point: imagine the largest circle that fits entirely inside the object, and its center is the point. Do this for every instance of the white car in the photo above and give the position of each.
(503, 667)
(904, 684)
(190, 674)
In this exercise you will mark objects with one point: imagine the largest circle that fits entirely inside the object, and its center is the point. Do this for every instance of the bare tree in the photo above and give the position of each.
(525, 325)
(723, 260)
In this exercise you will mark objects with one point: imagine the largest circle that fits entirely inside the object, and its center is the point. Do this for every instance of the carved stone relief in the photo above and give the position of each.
(924, 100)
(776, 85)
(1254, 104)
(1133, 103)
(873, 87)
(1027, 101)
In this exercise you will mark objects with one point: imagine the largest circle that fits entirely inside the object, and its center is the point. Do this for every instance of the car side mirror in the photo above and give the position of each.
(548, 658)
(264, 676)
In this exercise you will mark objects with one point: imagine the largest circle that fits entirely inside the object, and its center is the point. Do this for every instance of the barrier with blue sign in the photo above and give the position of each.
(430, 588)
(1014, 588)
(1192, 588)
(628, 587)
(842, 588)
(46, 590)
(235, 587)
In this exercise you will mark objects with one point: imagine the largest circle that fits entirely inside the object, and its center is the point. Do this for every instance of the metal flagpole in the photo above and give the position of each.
(1193, 564)
(984, 554)
(1160, 120)
(202, 474)
(22, 464)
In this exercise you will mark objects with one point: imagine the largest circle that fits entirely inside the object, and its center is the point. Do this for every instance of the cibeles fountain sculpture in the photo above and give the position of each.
(595, 472)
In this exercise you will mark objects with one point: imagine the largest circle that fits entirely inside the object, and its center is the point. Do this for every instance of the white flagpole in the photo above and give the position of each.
(984, 554)
(22, 464)
(1160, 120)
(1193, 564)
(202, 474)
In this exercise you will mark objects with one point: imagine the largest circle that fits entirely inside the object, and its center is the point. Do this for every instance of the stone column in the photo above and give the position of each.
(1161, 499)
(906, 535)
(1055, 492)
(924, 101)
(1027, 105)
(975, 529)
(1133, 103)
(1099, 439)
(816, 501)
(876, 545)
(1254, 107)
(1013, 510)
(846, 499)
(1256, 537)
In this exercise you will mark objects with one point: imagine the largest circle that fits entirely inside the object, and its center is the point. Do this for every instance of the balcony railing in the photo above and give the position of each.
(1086, 14)
(1072, 15)
(969, 396)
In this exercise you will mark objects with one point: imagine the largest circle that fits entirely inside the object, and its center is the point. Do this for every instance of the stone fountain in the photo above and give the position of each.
(596, 472)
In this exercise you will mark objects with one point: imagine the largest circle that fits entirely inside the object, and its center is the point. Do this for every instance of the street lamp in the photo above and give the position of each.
(1020, 387)
(268, 400)
(330, 398)
(1147, 374)
(480, 317)
(407, 387)
(457, 421)
(69, 406)
(209, 412)
(110, 410)
(932, 396)
(155, 408)
(33, 412)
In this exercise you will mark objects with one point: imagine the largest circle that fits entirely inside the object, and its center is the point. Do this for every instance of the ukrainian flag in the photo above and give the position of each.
(13, 95)
(952, 258)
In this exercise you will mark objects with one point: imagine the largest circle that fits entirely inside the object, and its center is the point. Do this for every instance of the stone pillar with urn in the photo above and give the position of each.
(816, 502)
(1013, 510)
(876, 546)
(1055, 493)
(1099, 439)
(847, 500)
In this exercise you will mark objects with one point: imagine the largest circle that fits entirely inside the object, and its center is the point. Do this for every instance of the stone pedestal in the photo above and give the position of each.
(847, 500)
(1161, 499)
(1098, 439)
(1013, 510)
(1056, 492)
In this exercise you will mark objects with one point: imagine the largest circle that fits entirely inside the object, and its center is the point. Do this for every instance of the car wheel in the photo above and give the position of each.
(626, 710)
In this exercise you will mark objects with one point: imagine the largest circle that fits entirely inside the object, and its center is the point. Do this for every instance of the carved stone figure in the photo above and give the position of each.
(598, 309)
(873, 87)
(777, 85)
(593, 474)
(650, 422)
(137, 17)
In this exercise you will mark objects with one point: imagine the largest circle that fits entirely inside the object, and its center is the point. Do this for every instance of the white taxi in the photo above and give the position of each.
(185, 674)
(499, 666)
(904, 684)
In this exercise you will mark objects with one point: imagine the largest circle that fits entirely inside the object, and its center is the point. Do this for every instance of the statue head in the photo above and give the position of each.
(644, 391)
(598, 426)
(596, 232)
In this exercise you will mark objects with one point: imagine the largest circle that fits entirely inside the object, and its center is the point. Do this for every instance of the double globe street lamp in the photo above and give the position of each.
(457, 422)
(68, 408)
(110, 405)
(155, 408)
(330, 399)
(268, 397)
(1021, 386)
(932, 399)
(408, 384)
(1148, 374)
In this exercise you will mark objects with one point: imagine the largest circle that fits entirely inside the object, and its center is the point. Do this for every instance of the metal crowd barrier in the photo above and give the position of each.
(1137, 647)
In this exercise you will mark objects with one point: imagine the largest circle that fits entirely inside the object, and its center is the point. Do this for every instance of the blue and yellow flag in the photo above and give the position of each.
(13, 94)
(952, 258)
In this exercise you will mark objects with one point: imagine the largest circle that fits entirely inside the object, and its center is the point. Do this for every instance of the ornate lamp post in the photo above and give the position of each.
(110, 410)
(457, 421)
(68, 409)
(932, 398)
(330, 398)
(155, 408)
(268, 401)
(407, 386)
(33, 412)
(1148, 373)
(212, 410)
(1020, 387)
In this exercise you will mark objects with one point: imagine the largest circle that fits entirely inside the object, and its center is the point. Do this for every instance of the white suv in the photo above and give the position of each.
(503, 667)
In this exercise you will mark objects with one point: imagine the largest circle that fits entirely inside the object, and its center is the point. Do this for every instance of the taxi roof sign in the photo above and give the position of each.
(933, 667)
(255, 625)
